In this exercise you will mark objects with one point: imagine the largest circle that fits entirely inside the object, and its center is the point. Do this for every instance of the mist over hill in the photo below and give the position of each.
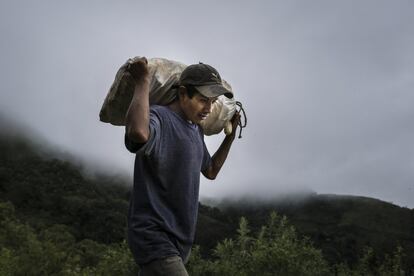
(21, 139)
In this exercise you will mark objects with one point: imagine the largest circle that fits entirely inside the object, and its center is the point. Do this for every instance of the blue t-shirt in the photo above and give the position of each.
(164, 205)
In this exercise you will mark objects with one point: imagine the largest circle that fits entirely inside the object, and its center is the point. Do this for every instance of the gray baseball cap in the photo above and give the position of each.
(205, 80)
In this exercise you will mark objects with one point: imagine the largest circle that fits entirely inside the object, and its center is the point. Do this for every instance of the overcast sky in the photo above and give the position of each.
(327, 85)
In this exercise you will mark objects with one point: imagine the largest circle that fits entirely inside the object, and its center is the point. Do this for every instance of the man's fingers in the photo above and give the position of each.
(141, 62)
(236, 118)
(139, 68)
(143, 59)
(235, 122)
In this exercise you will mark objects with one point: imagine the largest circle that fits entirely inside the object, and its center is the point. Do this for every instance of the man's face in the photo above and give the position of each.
(197, 108)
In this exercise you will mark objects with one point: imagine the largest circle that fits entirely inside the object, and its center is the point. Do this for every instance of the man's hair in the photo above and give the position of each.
(191, 91)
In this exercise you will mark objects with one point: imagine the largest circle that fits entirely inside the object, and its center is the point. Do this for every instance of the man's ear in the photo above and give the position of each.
(182, 92)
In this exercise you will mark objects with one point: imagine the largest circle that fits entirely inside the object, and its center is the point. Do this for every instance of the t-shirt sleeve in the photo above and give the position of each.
(148, 147)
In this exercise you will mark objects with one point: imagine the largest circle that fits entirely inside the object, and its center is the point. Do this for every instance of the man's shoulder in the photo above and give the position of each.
(158, 108)
(164, 113)
(162, 110)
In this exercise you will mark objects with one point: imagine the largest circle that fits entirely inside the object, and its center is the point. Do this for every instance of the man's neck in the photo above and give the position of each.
(176, 107)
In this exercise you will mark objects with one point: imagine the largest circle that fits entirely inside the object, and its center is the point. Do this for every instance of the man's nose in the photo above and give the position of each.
(208, 107)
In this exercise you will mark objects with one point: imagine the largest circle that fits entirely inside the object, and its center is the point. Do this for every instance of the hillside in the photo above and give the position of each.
(46, 194)
(340, 225)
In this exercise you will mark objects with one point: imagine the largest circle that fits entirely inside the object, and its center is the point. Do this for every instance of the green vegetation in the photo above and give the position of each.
(275, 250)
(54, 251)
(341, 226)
(56, 221)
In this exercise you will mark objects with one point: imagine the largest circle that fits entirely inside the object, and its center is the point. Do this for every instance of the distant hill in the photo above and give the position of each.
(47, 191)
(342, 226)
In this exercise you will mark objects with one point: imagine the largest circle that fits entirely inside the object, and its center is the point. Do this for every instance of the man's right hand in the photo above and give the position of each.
(139, 69)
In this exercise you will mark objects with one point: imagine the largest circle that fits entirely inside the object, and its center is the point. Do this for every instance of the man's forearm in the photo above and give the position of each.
(137, 117)
(219, 157)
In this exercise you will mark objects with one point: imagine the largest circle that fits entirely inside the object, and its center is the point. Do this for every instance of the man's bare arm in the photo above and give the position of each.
(137, 116)
(220, 156)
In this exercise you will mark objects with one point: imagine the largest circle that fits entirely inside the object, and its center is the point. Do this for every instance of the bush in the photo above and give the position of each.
(54, 251)
(369, 264)
(276, 250)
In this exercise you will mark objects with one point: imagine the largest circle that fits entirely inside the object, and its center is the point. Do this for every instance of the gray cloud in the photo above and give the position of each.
(326, 84)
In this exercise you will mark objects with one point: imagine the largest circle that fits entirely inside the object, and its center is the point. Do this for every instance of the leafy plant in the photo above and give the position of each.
(275, 250)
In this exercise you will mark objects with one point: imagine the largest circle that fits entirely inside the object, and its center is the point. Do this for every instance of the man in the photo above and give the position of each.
(170, 154)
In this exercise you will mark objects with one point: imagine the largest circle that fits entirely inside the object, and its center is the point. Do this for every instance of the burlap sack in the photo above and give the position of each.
(164, 74)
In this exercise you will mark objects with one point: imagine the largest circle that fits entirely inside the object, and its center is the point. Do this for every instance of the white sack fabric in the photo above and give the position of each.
(222, 112)
(164, 74)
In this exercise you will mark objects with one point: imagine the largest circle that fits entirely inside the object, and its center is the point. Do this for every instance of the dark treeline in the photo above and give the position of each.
(54, 220)
(343, 227)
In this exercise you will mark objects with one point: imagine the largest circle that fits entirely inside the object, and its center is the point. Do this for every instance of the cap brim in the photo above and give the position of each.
(214, 90)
